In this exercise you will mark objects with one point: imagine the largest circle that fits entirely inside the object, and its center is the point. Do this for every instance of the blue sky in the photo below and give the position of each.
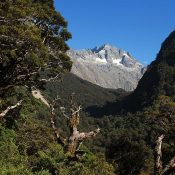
(137, 26)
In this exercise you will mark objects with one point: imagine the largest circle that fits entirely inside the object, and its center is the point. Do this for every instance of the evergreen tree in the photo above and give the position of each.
(32, 39)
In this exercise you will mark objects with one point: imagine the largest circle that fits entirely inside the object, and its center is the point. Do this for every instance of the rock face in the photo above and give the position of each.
(107, 66)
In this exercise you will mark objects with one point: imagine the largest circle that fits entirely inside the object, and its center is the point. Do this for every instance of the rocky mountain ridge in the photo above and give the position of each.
(107, 66)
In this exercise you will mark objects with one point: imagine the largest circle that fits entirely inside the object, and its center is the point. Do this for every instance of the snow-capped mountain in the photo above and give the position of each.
(107, 66)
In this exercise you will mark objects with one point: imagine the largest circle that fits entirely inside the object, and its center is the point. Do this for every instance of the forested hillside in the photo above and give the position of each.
(54, 123)
(86, 94)
(148, 114)
(159, 78)
(32, 43)
(129, 138)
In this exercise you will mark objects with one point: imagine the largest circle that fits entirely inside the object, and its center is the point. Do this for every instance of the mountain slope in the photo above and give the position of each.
(159, 79)
(107, 66)
(86, 93)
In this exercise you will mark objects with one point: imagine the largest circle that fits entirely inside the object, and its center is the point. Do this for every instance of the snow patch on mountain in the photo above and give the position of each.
(107, 66)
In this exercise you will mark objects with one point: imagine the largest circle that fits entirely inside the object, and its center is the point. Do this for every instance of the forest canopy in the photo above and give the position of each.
(33, 49)
(32, 39)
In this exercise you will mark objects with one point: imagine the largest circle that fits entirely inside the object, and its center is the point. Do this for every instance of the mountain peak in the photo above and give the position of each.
(107, 66)
(106, 46)
(105, 54)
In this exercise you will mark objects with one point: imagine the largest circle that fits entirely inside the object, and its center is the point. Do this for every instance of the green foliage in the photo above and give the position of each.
(56, 161)
(130, 153)
(12, 162)
(131, 139)
(32, 39)
(127, 140)
(33, 46)
(30, 147)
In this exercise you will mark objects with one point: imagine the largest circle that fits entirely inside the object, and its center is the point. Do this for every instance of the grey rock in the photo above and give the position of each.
(107, 66)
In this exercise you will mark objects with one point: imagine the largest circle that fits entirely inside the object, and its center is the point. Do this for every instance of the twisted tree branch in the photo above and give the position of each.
(158, 149)
(2, 114)
(170, 167)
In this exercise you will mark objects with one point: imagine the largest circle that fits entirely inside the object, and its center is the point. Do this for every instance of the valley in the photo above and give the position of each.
(81, 112)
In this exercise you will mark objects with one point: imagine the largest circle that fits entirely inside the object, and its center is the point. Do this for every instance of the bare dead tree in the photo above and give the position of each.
(170, 167)
(75, 139)
(158, 157)
(60, 139)
(9, 108)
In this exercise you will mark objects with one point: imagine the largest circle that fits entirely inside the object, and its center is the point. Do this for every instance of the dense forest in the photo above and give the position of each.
(53, 123)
